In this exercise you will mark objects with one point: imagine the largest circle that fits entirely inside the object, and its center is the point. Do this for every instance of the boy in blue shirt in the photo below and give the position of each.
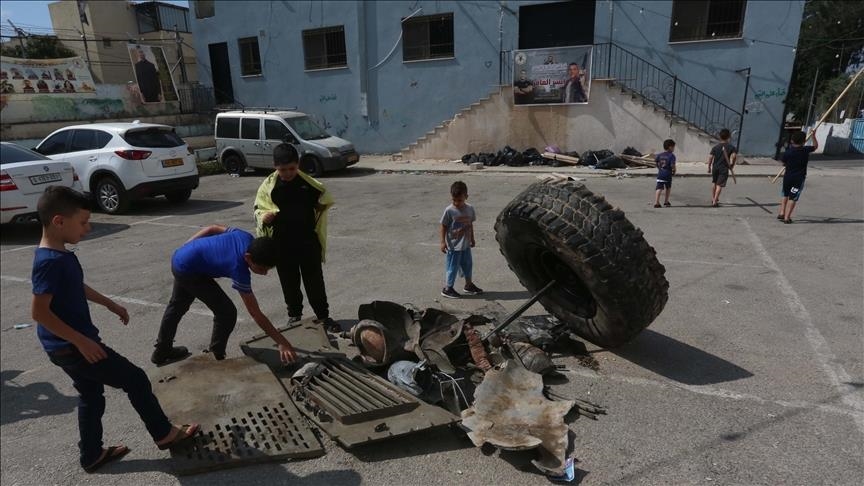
(72, 342)
(457, 239)
(665, 170)
(795, 161)
(213, 252)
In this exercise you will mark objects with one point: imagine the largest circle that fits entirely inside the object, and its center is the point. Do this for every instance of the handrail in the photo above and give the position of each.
(664, 90)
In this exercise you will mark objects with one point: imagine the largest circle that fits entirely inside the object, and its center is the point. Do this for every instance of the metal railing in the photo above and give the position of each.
(196, 99)
(664, 90)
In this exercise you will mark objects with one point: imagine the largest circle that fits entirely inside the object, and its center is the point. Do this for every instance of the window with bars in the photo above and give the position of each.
(325, 48)
(694, 20)
(155, 16)
(250, 57)
(428, 37)
(204, 8)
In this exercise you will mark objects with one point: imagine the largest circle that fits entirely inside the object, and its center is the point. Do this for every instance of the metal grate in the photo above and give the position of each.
(351, 397)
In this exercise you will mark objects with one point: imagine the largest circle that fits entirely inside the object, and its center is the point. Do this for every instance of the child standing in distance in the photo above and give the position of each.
(665, 170)
(72, 341)
(795, 160)
(720, 162)
(457, 239)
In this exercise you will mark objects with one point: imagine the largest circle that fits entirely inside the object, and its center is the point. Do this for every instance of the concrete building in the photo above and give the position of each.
(109, 25)
(385, 74)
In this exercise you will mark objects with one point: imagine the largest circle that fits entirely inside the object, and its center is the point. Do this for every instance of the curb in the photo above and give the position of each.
(536, 172)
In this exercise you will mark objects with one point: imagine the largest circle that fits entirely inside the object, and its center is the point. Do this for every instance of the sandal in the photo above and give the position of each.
(781, 217)
(110, 454)
(183, 433)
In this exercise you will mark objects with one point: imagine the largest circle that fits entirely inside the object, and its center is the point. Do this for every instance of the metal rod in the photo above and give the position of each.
(743, 108)
(521, 310)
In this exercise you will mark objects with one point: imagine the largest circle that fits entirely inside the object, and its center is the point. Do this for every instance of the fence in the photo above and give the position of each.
(664, 90)
(196, 99)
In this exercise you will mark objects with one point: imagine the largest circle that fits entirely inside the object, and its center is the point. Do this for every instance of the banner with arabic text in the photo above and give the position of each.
(554, 75)
(68, 77)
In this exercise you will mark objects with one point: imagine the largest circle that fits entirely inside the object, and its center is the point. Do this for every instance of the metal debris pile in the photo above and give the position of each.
(413, 370)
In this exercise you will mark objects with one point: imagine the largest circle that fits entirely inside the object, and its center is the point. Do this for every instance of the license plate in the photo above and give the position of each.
(45, 178)
(172, 162)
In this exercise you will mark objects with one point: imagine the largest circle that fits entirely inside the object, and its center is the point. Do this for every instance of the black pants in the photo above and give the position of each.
(187, 288)
(90, 380)
(303, 261)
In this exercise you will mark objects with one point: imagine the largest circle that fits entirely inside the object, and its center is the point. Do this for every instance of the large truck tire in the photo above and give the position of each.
(610, 285)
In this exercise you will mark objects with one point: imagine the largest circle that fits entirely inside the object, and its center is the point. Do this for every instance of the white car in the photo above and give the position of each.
(24, 175)
(121, 162)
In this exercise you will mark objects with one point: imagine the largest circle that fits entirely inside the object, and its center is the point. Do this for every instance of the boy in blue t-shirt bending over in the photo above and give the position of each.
(213, 252)
(72, 342)
(665, 170)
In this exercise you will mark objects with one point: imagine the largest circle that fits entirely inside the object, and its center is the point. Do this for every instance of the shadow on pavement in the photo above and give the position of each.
(31, 233)
(272, 473)
(162, 207)
(349, 172)
(679, 361)
(22, 402)
(827, 220)
(429, 442)
(502, 295)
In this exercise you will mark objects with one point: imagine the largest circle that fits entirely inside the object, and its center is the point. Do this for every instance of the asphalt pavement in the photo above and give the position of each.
(752, 374)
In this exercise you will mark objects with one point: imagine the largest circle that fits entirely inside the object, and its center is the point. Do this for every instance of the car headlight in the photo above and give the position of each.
(334, 152)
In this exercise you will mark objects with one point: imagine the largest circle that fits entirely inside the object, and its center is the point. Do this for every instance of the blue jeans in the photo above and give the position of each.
(458, 262)
(116, 372)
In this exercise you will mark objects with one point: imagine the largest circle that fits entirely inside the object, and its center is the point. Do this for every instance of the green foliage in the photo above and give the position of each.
(38, 47)
(832, 35)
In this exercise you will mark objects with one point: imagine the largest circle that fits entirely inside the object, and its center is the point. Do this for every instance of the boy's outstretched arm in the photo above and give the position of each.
(213, 229)
(286, 351)
(97, 298)
(443, 239)
(42, 313)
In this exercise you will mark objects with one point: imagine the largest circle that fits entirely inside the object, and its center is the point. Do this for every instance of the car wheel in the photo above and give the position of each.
(311, 165)
(111, 197)
(233, 164)
(178, 197)
(610, 285)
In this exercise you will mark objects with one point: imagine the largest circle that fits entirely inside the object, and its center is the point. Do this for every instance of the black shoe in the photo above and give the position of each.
(293, 319)
(472, 289)
(450, 293)
(657, 205)
(667, 204)
(330, 325)
(781, 217)
(164, 356)
(787, 221)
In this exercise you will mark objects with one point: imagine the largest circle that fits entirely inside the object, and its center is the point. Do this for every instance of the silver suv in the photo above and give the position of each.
(245, 141)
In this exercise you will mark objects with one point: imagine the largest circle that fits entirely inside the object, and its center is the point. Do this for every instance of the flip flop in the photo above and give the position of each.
(186, 431)
(110, 454)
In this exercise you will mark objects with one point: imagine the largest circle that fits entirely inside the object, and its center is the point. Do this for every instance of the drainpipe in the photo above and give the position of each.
(361, 58)
(743, 106)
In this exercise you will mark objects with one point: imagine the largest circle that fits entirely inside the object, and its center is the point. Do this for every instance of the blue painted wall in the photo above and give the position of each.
(406, 100)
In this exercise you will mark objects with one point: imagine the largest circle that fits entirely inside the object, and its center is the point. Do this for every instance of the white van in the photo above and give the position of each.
(245, 141)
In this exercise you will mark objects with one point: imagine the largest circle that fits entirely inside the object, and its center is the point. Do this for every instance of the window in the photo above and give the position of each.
(429, 37)
(694, 20)
(155, 16)
(250, 128)
(88, 140)
(153, 138)
(106, 42)
(250, 58)
(306, 128)
(204, 8)
(274, 130)
(55, 144)
(228, 128)
(556, 24)
(10, 154)
(325, 48)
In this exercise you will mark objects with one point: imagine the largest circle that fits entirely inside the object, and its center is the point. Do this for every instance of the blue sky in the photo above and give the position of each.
(33, 16)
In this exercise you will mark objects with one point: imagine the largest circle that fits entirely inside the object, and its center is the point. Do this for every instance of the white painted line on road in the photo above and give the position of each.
(722, 264)
(127, 300)
(837, 375)
(150, 220)
(712, 391)
(19, 248)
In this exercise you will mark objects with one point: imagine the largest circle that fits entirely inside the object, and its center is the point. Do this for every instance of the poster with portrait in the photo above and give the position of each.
(152, 73)
(554, 75)
(23, 78)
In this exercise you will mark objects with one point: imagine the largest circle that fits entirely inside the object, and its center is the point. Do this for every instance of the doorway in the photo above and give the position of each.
(220, 71)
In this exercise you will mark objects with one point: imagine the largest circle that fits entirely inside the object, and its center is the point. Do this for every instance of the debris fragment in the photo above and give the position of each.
(511, 412)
